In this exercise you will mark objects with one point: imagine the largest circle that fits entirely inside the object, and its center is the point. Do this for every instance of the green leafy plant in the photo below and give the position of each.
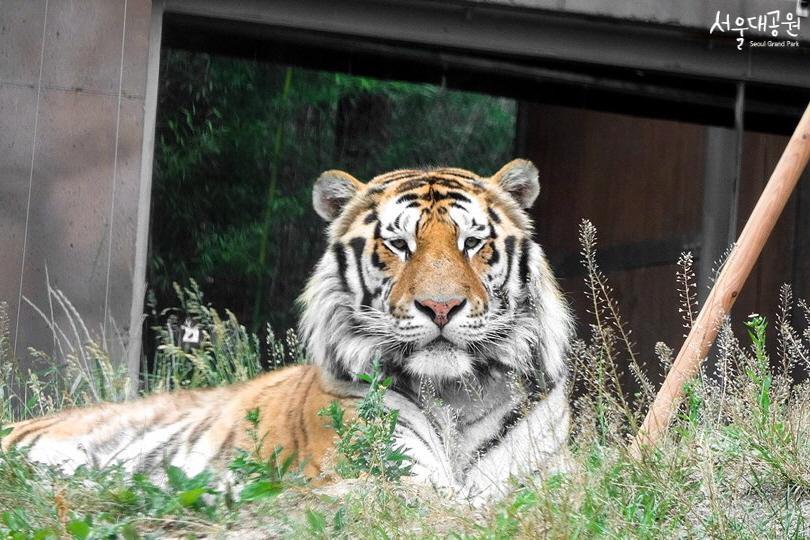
(18, 527)
(262, 477)
(366, 443)
(759, 372)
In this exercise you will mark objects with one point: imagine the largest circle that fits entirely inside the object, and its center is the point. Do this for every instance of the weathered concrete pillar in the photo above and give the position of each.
(73, 80)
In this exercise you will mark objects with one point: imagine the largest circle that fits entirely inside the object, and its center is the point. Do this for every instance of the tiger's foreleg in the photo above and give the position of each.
(537, 443)
(430, 462)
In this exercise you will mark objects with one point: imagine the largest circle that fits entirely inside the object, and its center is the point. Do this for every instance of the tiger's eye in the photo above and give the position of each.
(400, 244)
(471, 243)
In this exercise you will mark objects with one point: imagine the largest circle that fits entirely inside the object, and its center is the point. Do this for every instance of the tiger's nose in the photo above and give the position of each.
(440, 311)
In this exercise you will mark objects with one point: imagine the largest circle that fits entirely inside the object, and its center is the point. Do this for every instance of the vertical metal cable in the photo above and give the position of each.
(115, 177)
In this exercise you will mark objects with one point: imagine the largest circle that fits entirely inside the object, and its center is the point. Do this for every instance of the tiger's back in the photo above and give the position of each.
(192, 429)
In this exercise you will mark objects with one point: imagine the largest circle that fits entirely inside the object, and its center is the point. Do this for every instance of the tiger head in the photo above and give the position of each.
(434, 273)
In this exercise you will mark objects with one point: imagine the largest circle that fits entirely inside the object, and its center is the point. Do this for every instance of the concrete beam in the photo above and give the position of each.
(684, 13)
(525, 33)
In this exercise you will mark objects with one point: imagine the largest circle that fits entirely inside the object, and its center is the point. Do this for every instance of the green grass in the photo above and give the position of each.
(735, 463)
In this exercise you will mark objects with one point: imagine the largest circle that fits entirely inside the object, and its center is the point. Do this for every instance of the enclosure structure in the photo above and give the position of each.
(637, 116)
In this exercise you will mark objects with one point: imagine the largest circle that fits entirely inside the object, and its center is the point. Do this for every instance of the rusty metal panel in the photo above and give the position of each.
(775, 265)
(640, 182)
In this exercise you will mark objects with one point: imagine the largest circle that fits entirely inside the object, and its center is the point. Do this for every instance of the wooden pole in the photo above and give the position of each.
(728, 285)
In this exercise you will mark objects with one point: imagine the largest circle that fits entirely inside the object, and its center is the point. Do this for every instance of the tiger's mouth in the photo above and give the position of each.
(440, 342)
(440, 359)
(442, 345)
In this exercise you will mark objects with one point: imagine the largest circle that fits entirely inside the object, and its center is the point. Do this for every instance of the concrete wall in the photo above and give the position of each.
(73, 80)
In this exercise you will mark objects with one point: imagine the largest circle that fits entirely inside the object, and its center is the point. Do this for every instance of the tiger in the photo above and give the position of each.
(431, 275)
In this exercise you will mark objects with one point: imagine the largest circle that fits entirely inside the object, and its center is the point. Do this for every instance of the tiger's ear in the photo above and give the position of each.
(519, 179)
(333, 189)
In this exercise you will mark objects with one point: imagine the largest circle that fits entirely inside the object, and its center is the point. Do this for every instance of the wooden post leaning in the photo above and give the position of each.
(727, 286)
